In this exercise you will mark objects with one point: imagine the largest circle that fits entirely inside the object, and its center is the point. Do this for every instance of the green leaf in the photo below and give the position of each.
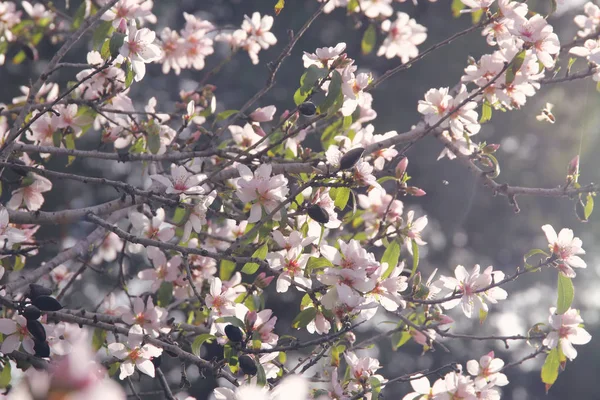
(375, 387)
(82, 11)
(550, 368)
(98, 339)
(260, 253)
(231, 320)
(226, 114)
(342, 195)
(226, 270)
(129, 75)
(153, 142)
(482, 315)
(352, 5)
(304, 318)
(347, 121)
(200, 339)
(165, 294)
(105, 50)
(101, 33)
(115, 43)
(113, 368)
(57, 138)
(566, 294)
(328, 135)
(317, 263)
(517, 63)
(70, 144)
(589, 206)
(391, 256)
(334, 91)
(310, 78)
(279, 6)
(299, 97)
(19, 57)
(368, 40)
(399, 339)
(476, 16)
(261, 376)
(553, 5)
(19, 263)
(5, 375)
(415, 251)
(457, 6)
(486, 112)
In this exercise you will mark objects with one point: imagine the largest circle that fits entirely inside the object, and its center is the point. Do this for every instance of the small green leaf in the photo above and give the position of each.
(532, 253)
(375, 387)
(317, 263)
(200, 339)
(457, 6)
(261, 376)
(260, 253)
(299, 97)
(517, 63)
(101, 33)
(368, 40)
(5, 375)
(165, 294)
(399, 339)
(98, 339)
(352, 6)
(334, 91)
(57, 138)
(310, 78)
(482, 315)
(476, 16)
(226, 114)
(226, 270)
(415, 251)
(550, 368)
(129, 75)
(70, 144)
(114, 368)
(153, 142)
(231, 320)
(328, 135)
(391, 256)
(279, 6)
(342, 195)
(589, 206)
(566, 294)
(82, 12)
(304, 318)
(486, 112)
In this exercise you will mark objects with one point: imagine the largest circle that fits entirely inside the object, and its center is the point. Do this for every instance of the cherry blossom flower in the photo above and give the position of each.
(221, 299)
(172, 49)
(8, 234)
(197, 217)
(589, 22)
(295, 239)
(43, 129)
(403, 37)
(565, 248)
(111, 79)
(353, 87)
(139, 48)
(478, 4)
(263, 114)
(292, 387)
(108, 249)
(61, 275)
(246, 137)
(135, 354)
(37, 12)
(539, 33)
(291, 264)
(154, 228)
(566, 331)
(324, 57)
(458, 386)
(47, 93)
(377, 204)
(181, 181)
(414, 230)
(129, 10)
(146, 316)
(261, 189)
(64, 337)
(362, 368)
(375, 8)
(386, 291)
(487, 370)
(196, 45)
(258, 28)
(468, 285)
(332, 4)
(319, 325)
(423, 389)
(15, 332)
(164, 270)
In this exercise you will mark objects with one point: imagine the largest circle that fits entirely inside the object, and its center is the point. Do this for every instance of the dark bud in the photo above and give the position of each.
(234, 333)
(307, 108)
(36, 290)
(318, 214)
(47, 303)
(247, 365)
(157, 361)
(41, 349)
(350, 159)
(31, 313)
(37, 330)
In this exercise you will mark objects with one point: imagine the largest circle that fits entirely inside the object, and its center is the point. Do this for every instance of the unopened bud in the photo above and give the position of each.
(262, 280)
(258, 130)
(573, 169)
(401, 168)
(122, 27)
(250, 319)
(415, 191)
(491, 148)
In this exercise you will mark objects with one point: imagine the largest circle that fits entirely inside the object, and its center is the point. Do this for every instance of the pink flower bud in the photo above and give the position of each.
(574, 166)
(491, 148)
(250, 319)
(415, 191)
(350, 337)
(258, 130)
(401, 168)
(122, 28)
(263, 114)
(262, 280)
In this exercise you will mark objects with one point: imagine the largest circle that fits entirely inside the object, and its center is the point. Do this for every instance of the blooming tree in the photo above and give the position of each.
(313, 197)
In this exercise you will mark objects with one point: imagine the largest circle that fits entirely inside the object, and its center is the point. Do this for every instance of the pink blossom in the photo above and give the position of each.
(403, 37)
(139, 48)
(566, 331)
(487, 370)
(565, 247)
(262, 190)
(135, 354)
(15, 331)
(164, 270)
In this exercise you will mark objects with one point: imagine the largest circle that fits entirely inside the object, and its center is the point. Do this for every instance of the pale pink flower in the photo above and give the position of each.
(37, 11)
(261, 189)
(164, 270)
(246, 137)
(154, 228)
(43, 129)
(197, 217)
(8, 234)
(487, 370)
(135, 354)
(459, 386)
(263, 114)
(361, 368)
(146, 316)
(61, 276)
(15, 331)
(566, 331)
(139, 48)
(173, 51)
(258, 29)
(565, 247)
(403, 37)
(70, 121)
(196, 45)
(478, 4)
(386, 291)
(291, 264)
(537, 32)
(423, 389)
(375, 8)
(589, 22)
(181, 181)
(414, 230)
(129, 10)
(324, 57)
(108, 249)
(220, 299)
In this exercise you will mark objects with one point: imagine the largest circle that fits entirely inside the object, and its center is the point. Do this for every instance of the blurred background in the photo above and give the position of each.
(467, 224)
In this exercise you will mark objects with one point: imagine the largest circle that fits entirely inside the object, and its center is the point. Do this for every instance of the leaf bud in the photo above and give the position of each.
(36, 290)
(36, 329)
(262, 280)
(401, 168)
